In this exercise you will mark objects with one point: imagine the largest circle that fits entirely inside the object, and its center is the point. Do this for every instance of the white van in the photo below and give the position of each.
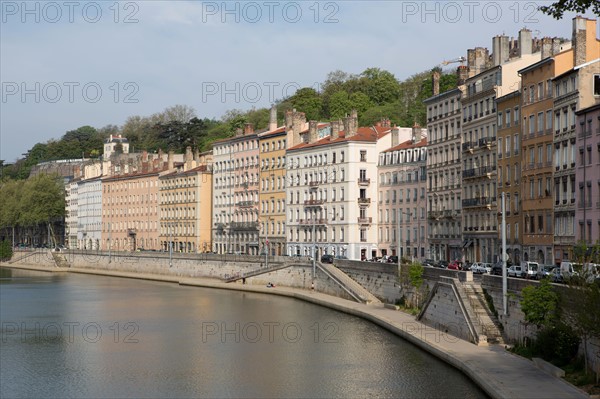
(529, 269)
(567, 268)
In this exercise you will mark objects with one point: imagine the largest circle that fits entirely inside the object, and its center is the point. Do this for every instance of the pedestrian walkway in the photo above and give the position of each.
(498, 372)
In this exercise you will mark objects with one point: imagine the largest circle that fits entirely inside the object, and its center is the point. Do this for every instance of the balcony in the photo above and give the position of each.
(219, 226)
(313, 202)
(313, 184)
(246, 204)
(450, 214)
(467, 147)
(364, 182)
(131, 232)
(310, 222)
(434, 214)
(479, 202)
(486, 142)
(244, 225)
(364, 200)
(368, 220)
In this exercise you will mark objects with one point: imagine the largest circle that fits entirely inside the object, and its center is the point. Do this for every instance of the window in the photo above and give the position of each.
(507, 118)
(540, 122)
(516, 143)
(499, 119)
(597, 85)
(531, 124)
(548, 120)
(363, 155)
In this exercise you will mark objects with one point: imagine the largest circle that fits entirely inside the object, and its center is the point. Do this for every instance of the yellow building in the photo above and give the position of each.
(185, 197)
(272, 217)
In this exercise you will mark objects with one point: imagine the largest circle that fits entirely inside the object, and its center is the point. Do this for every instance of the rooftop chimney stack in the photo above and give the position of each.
(170, 163)
(546, 47)
(578, 40)
(525, 42)
(395, 136)
(312, 131)
(500, 49)
(273, 118)
(436, 83)
(248, 128)
(335, 130)
(189, 159)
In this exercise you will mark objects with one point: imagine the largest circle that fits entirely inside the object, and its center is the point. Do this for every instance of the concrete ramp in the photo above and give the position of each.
(355, 290)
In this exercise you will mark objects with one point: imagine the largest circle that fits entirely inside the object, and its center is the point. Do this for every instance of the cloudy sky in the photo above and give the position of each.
(69, 64)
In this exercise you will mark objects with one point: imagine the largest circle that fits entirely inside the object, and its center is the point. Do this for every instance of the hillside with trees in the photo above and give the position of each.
(374, 93)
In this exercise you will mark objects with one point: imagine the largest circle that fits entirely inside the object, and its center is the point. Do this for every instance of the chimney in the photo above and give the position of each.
(144, 156)
(170, 160)
(298, 125)
(463, 74)
(197, 156)
(500, 50)
(524, 42)
(189, 159)
(436, 83)
(335, 130)
(288, 119)
(353, 122)
(477, 60)
(579, 39)
(273, 118)
(556, 45)
(546, 47)
(312, 131)
(395, 136)
(248, 128)
(416, 133)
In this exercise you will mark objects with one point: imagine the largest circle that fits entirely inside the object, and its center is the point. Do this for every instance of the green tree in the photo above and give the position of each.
(415, 276)
(6, 251)
(557, 9)
(539, 304)
(307, 100)
(380, 86)
(339, 104)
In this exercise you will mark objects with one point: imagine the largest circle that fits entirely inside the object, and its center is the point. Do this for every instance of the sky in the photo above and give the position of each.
(67, 64)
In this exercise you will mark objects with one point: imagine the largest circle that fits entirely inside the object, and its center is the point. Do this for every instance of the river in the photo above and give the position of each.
(69, 335)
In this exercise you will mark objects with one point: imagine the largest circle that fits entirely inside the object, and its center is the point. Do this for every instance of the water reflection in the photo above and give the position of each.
(136, 338)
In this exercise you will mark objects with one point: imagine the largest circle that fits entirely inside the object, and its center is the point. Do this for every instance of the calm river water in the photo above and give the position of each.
(89, 336)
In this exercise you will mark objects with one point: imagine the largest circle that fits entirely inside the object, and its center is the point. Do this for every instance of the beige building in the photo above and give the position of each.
(509, 172)
(272, 221)
(185, 202)
(130, 206)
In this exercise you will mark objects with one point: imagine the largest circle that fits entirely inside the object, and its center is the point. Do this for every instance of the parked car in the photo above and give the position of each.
(529, 269)
(443, 264)
(591, 272)
(475, 267)
(429, 263)
(482, 268)
(327, 258)
(496, 269)
(392, 259)
(454, 265)
(544, 271)
(514, 271)
(556, 276)
(569, 269)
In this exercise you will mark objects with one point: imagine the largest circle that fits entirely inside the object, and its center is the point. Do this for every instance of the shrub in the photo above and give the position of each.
(6, 251)
(557, 344)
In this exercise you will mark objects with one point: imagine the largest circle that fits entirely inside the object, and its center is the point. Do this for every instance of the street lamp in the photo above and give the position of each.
(170, 245)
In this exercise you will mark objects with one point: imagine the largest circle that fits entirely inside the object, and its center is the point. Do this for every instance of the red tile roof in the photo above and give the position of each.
(408, 145)
(365, 134)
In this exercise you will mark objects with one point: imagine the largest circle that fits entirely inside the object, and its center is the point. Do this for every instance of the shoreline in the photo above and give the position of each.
(489, 367)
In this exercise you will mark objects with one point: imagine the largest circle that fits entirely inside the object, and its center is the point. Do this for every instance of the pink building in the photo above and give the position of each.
(587, 214)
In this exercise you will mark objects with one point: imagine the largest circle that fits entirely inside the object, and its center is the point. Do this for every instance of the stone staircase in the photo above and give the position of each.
(59, 259)
(485, 322)
(256, 272)
(357, 291)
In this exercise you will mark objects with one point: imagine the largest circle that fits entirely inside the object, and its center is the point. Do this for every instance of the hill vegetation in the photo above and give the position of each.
(375, 93)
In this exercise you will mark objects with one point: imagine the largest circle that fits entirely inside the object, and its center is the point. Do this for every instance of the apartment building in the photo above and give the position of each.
(89, 214)
(509, 172)
(130, 203)
(573, 91)
(444, 231)
(272, 215)
(71, 214)
(587, 215)
(402, 210)
(235, 190)
(185, 206)
(332, 189)
(479, 150)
